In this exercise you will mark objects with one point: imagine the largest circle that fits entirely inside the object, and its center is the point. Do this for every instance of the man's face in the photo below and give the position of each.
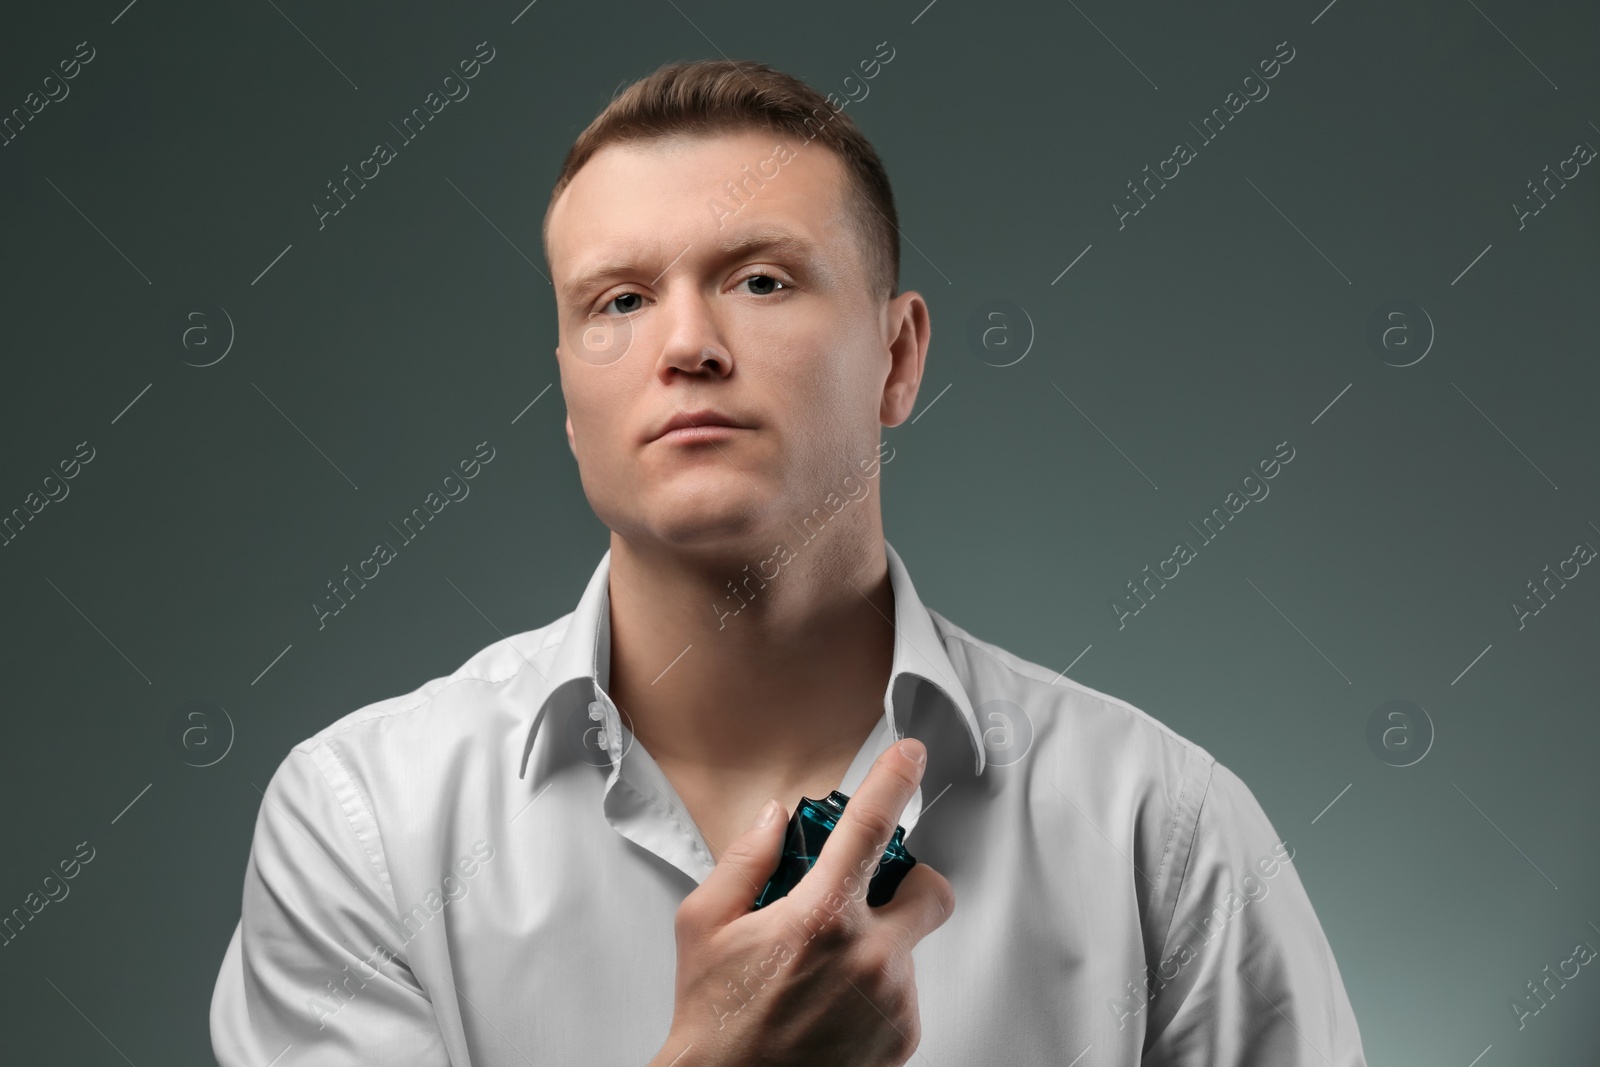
(667, 308)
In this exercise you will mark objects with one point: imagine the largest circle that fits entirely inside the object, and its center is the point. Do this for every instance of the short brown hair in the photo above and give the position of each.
(715, 96)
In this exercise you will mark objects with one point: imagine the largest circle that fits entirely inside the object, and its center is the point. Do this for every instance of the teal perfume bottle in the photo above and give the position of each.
(809, 827)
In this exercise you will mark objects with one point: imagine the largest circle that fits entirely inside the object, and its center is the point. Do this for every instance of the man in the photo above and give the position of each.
(550, 856)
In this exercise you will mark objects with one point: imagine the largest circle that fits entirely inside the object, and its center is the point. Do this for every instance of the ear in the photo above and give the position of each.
(907, 329)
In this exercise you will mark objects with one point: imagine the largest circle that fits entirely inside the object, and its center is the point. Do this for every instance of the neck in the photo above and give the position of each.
(792, 683)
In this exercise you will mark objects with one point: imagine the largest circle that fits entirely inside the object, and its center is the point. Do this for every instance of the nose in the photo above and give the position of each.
(692, 342)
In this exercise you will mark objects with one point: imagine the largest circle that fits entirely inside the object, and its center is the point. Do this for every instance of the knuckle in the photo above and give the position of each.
(877, 822)
(904, 775)
(910, 1037)
(689, 920)
(741, 852)
(944, 897)
(878, 964)
(930, 900)
(827, 924)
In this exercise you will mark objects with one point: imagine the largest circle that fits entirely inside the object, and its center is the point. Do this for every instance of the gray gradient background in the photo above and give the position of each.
(1174, 354)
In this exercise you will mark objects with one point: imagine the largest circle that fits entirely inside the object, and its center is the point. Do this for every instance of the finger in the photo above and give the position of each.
(748, 861)
(854, 849)
(923, 902)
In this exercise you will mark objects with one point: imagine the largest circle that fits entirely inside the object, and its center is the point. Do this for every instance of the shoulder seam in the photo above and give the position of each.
(1194, 832)
(1077, 686)
(375, 858)
(423, 695)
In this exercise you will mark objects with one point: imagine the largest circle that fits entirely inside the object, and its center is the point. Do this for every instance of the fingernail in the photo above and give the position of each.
(766, 815)
(918, 756)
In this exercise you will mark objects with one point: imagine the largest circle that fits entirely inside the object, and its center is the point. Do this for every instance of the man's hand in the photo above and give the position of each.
(817, 976)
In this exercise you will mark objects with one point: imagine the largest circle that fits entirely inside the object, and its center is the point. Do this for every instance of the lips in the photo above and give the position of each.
(689, 419)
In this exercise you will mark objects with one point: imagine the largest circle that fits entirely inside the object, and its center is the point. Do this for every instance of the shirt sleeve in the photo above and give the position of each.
(1246, 977)
(316, 974)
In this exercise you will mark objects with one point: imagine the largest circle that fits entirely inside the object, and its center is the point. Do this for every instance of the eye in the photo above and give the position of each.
(762, 285)
(763, 280)
(619, 297)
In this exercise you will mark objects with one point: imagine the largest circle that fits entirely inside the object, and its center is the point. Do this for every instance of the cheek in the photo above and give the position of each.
(599, 341)
(811, 389)
(603, 420)
(832, 411)
(819, 359)
(852, 380)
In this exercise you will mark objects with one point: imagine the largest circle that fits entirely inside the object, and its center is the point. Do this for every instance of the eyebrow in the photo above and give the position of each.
(784, 242)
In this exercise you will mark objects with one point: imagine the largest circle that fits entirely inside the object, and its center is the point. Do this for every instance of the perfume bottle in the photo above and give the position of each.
(809, 827)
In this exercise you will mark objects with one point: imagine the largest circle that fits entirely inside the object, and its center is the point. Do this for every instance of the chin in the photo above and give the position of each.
(709, 526)
(715, 511)
(718, 522)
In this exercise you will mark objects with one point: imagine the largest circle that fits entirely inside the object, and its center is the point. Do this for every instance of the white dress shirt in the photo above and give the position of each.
(484, 873)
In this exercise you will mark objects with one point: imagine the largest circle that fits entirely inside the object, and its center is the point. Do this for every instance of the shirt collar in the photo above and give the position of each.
(583, 655)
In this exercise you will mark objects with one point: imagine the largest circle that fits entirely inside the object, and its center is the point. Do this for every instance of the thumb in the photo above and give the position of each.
(738, 878)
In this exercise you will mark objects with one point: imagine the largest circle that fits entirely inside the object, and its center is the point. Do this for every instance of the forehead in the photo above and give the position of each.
(660, 197)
